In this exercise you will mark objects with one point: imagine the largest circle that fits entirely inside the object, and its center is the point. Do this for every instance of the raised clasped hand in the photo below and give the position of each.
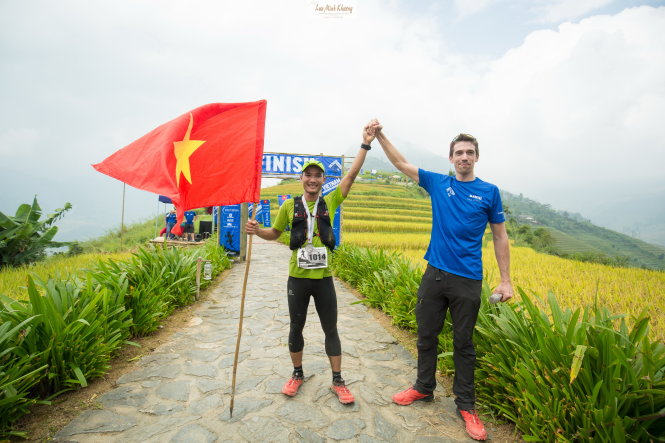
(371, 130)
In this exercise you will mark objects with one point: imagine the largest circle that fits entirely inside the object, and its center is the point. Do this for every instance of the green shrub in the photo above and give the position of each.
(66, 332)
(19, 372)
(159, 280)
(24, 238)
(571, 375)
(75, 331)
(217, 256)
(387, 280)
(143, 298)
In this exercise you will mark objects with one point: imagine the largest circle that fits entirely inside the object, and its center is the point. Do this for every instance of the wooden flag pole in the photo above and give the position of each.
(242, 311)
(122, 217)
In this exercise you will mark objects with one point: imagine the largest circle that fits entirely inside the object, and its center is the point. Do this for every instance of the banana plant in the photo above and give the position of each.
(24, 237)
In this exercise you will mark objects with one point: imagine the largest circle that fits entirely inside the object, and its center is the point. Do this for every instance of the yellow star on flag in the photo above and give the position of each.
(183, 150)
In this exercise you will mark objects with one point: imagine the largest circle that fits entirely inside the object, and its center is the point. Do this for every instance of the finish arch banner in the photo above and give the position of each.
(281, 165)
(291, 164)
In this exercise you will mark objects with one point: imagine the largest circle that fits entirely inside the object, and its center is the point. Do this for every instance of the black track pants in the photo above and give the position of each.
(438, 292)
(325, 300)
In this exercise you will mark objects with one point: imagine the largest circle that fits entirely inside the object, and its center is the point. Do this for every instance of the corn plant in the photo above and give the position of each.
(144, 299)
(173, 271)
(66, 331)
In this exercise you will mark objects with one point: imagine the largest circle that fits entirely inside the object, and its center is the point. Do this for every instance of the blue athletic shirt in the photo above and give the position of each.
(460, 212)
(189, 217)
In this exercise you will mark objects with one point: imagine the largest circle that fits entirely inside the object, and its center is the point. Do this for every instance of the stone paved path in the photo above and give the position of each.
(181, 392)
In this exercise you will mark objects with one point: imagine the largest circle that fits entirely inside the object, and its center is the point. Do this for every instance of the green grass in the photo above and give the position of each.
(134, 235)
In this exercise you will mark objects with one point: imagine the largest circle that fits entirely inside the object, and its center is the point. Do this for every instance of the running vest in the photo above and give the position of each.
(299, 224)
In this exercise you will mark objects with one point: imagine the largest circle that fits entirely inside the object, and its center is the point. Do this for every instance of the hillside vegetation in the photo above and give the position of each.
(398, 218)
(573, 234)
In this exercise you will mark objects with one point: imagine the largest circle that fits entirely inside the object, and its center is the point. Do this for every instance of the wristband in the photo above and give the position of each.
(366, 147)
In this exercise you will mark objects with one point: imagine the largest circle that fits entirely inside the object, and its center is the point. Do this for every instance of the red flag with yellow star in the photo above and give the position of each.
(209, 156)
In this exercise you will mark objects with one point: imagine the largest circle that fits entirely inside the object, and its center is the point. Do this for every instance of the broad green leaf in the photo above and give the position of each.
(577, 362)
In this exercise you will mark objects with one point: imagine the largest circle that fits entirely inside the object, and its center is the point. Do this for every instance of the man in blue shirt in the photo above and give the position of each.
(462, 205)
(190, 216)
(170, 223)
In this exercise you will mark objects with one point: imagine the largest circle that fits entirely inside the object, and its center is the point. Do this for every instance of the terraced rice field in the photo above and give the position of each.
(15, 280)
(398, 218)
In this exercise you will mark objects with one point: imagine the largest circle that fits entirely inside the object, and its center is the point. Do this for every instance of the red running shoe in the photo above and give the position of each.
(291, 387)
(410, 395)
(343, 394)
(474, 427)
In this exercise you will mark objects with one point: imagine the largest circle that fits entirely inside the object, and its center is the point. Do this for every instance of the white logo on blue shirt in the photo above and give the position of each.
(477, 197)
(450, 191)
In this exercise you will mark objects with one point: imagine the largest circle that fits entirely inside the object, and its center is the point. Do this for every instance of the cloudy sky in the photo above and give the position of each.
(567, 97)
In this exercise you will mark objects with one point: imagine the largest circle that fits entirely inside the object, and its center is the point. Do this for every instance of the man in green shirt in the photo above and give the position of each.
(310, 218)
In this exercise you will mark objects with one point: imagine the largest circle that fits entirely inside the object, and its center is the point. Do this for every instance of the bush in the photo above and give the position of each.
(19, 372)
(571, 375)
(67, 331)
(75, 331)
(24, 238)
(387, 280)
(143, 298)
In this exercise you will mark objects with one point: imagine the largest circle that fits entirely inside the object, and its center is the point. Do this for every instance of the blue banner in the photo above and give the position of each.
(282, 198)
(262, 212)
(266, 213)
(230, 229)
(275, 163)
(329, 186)
(259, 212)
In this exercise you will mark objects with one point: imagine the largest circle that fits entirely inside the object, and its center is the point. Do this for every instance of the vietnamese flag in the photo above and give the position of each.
(210, 156)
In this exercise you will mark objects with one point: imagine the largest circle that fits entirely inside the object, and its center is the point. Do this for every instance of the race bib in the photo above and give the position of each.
(312, 258)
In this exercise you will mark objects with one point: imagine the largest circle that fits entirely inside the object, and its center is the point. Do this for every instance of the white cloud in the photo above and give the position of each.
(577, 111)
(558, 112)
